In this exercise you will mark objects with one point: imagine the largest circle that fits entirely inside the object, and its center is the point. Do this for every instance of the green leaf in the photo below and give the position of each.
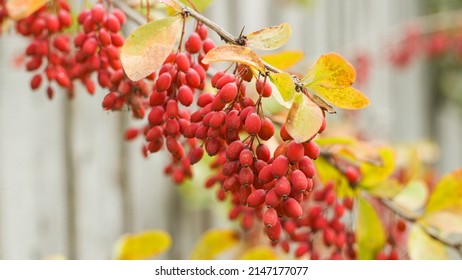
(270, 38)
(214, 242)
(234, 53)
(304, 118)
(331, 77)
(19, 9)
(148, 46)
(285, 88)
(447, 194)
(142, 245)
(370, 234)
(334, 141)
(283, 60)
(422, 247)
(200, 5)
(373, 174)
(413, 196)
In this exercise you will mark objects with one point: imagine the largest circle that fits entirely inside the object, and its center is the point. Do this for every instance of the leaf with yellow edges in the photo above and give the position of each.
(147, 47)
(285, 88)
(19, 9)
(259, 253)
(234, 53)
(214, 242)
(370, 234)
(283, 60)
(331, 77)
(373, 174)
(447, 194)
(304, 118)
(270, 38)
(422, 247)
(142, 245)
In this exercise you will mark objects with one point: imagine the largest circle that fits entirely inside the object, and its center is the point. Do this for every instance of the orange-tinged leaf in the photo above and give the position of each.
(148, 46)
(284, 60)
(19, 9)
(422, 247)
(345, 98)
(447, 194)
(331, 71)
(259, 253)
(214, 242)
(233, 53)
(304, 118)
(285, 88)
(331, 77)
(370, 234)
(270, 38)
(142, 245)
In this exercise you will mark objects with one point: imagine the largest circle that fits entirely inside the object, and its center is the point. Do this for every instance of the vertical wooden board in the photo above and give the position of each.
(32, 169)
(96, 139)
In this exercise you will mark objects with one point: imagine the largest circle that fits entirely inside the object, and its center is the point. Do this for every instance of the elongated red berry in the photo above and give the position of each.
(231, 183)
(274, 232)
(282, 187)
(163, 82)
(194, 43)
(279, 166)
(266, 174)
(185, 95)
(246, 158)
(256, 198)
(267, 129)
(292, 208)
(295, 152)
(272, 199)
(311, 150)
(307, 167)
(298, 180)
(246, 176)
(228, 92)
(270, 218)
(252, 124)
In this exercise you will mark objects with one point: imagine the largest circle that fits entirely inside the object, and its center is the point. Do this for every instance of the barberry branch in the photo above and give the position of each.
(402, 213)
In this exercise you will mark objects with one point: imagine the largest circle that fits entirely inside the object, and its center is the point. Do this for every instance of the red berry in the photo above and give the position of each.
(292, 208)
(352, 174)
(192, 78)
(213, 146)
(295, 152)
(246, 158)
(112, 23)
(307, 167)
(302, 249)
(298, 180)
(270, 218)
(131, 133)
(279, 166)
(207, 45)
(252, 124)
(194, 43)
(224, 80)
(311, 150)
(119, 15)
(256, 198)
(171, 109)
(246, 176)
(282, 187)
(109, 100)
(185, 95)
(264, 89)
(156, 116)
(262, 151)
(285, 136)
(274, 233)
(234, 150)
(266, 174)
(272, 199)
(228, 92)
(154, 133)
(267, 129)
(182, 61)
(328, 236)
(163, 82)
(89, 47)
(196, 155)
(36, 81)
(97, 13)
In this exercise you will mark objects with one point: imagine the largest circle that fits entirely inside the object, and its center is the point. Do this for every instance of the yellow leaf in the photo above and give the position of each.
(385, 189)
(270, 38)
(148, 46)
(422, 247)
(284, 60)
(373, 174)
(172, 4)
(214, 242)
(445, 224)
(331, 77)
(143, 245)
(19, 9)
(304, 118)
(259, 253)
(200, 5)
(335, 141)
(327, 173)
(447, 194)
(413, 196)
(233, 53)
(285, 88)
(369, 231)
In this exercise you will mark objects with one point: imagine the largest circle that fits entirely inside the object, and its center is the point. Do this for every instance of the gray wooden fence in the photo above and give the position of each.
(70, 186)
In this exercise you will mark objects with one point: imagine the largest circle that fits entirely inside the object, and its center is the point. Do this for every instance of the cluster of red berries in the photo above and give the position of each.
(48, 52)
